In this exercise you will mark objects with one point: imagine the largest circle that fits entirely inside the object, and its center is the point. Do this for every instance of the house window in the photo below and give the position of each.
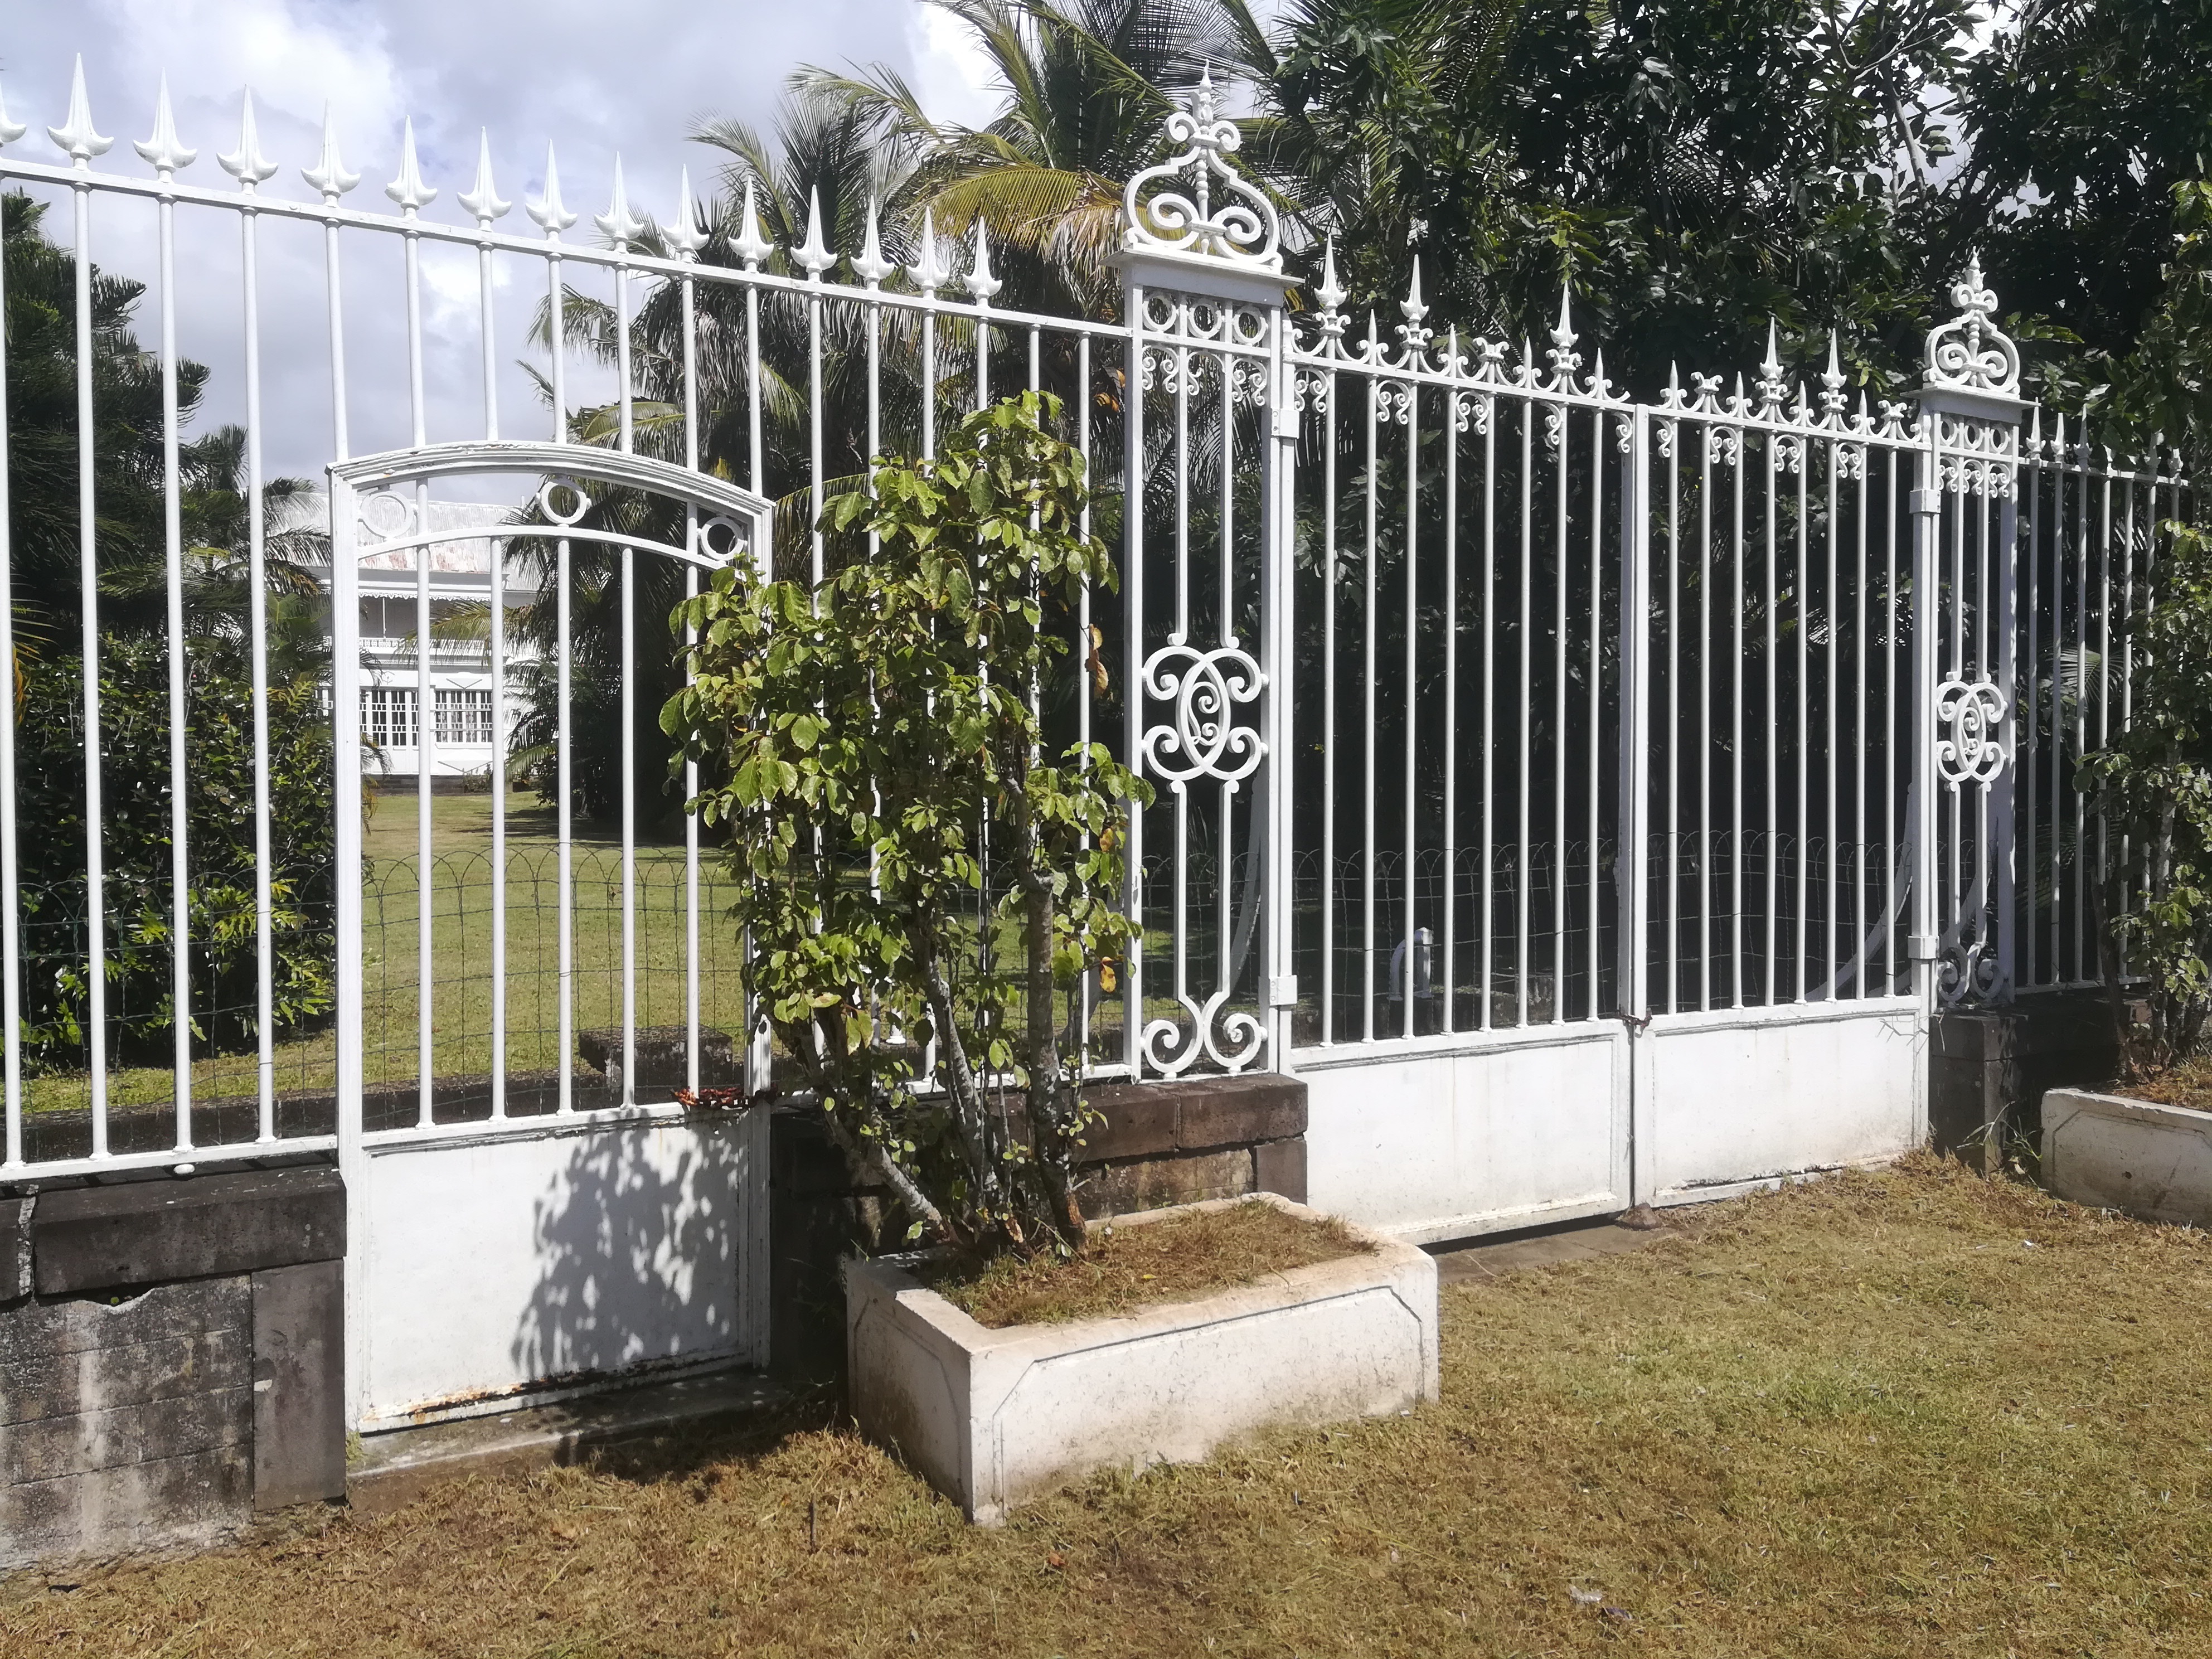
(388, 716)
(465, 717)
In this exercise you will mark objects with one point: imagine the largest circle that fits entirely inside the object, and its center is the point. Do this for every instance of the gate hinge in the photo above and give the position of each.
(1285, 423)
(1923, 947)
(1927, 502)
(1283, 991)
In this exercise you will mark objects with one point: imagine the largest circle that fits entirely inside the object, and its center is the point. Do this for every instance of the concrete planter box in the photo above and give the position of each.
(994, 1418)
(2148, 1160)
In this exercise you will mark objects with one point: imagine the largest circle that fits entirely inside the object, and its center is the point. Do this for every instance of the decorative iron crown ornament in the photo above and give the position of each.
(1970, 353)
(1184, 218)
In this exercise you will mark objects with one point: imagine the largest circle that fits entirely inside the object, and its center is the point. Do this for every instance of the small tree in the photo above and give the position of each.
(2154, 785)
(896, 827)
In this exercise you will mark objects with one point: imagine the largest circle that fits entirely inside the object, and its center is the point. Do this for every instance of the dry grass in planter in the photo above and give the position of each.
(1133, 1266)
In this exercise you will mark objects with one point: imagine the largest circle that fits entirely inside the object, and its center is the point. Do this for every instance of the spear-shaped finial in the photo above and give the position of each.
(618, 224)
(482, 203)
(75, 136)
(929, 274)
(1411, 306)
(246, 163)
(814, 254)
(871, 267)
(1564, 336)
(1772, 389)
(10, 130)
(329, 176)
(164, 151)
(682, 232)
(750, 244)
(1832, 380)
(408, 189)
(981, 283)
(1331, 293)
(549, 212)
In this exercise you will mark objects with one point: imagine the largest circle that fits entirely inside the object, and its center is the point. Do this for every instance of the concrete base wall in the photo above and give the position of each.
(170, 1356)
(995, 1418)
(2115, 1153)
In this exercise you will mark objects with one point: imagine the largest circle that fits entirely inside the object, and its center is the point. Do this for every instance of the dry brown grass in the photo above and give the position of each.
(1133, 1267)
(2188, 1084)
(1900, 1414)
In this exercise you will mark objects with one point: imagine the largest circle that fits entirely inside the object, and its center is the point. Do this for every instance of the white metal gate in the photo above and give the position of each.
(1591, 797)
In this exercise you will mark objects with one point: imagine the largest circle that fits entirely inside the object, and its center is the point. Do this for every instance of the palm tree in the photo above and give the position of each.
(1087, 86)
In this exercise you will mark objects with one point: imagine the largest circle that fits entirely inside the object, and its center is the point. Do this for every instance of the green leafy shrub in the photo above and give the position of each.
(2154, 784)
(864, 732)
(135, 787)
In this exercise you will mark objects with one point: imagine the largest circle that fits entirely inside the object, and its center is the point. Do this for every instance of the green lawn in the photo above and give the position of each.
(462, 914)
(1902, 1413)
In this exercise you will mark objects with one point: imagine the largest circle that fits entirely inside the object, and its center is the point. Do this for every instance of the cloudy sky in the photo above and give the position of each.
(628, 76)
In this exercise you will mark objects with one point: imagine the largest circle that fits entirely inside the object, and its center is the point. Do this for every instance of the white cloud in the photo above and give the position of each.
(953, 77)
(597, 79)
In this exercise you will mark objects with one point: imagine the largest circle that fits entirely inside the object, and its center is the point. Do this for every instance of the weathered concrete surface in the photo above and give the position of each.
(2148, 1160)
(158, 1231)
(299, 1384)
(994, 1418)
(125, 1425)
(1515, 1253)
(398, 1467)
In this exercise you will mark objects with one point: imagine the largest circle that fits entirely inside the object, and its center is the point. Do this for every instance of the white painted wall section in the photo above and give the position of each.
(494, 1266)
(1736, 1101)
(1444, 1146)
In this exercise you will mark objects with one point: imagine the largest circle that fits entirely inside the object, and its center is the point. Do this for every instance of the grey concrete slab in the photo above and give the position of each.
(1581, 1240)
(398, 1467)
(299, 1384)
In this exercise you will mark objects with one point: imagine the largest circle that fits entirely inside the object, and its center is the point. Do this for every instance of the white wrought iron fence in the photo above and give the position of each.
(1479, 696)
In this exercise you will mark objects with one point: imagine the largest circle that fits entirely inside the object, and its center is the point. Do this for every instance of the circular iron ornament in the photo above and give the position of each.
(386, 515)
(1971, 716)
(1203, 740)
(722, 537)
(552, 488)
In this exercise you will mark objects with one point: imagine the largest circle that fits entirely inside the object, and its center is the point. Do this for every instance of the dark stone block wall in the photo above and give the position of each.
(1988, 1069)
(171, 1357)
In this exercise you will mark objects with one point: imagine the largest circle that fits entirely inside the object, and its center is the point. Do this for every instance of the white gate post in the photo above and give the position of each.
(1202, 275)
(1971, 409)
(1632, 856)
(345, 759)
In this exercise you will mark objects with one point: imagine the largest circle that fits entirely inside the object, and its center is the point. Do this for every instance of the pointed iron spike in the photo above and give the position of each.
(408, 189)
(981, 283)
(75, 136)
(164, 151)
(871, 267)
(1411, 307)
(618, 224)
(682, 232)
(246, 163)
(1771, 368)
(750, 245)
(10, 130)
(329, 176)
(1673, 377)
(1833, 379)
(482, 202)
(1564, 335)
(928, 274)
(814, 254)
(1331, 293)
(2035, 424)
(549, 211)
